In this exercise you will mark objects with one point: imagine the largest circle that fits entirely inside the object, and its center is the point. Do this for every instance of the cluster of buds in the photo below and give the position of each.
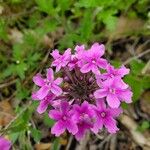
(83, 93)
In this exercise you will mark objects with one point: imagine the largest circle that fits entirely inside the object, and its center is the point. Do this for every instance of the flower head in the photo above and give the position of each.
(83, 98)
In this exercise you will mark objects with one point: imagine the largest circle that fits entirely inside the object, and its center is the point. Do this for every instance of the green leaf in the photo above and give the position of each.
(46, 6)
(136, 86)
(21, 68)
(144, 126)
(56, 145)
(48, 121)
(137, 66)
(36, 134)
(14, 136)
(87, 25)
(3, 30)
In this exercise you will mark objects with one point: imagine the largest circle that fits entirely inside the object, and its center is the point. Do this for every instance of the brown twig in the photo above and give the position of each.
(3, 131)
(136, 57)
(138, 137)
(7, 84)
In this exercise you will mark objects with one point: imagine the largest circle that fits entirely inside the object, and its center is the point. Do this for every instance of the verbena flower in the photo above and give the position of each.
(47, 85)
(105, 116)
(63, 116)
(83, 116)
(4, 144)
(112, 72)
(115, 90)
(83, 98)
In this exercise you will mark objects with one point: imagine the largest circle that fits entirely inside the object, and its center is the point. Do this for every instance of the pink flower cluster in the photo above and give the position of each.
(83, 98)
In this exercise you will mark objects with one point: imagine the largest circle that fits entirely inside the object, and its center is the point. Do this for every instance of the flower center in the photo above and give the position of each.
(113, 91)
(64, 118)
(47, 82)
(80, 86)
(93, 61)
(103, 114)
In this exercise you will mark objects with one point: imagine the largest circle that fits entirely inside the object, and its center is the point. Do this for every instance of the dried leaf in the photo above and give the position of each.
(43, 146)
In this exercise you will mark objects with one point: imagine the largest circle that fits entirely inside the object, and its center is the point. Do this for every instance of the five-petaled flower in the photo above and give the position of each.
(115, 90)
(48, 84)
(105, 117)
(63, 116)
(83, 115)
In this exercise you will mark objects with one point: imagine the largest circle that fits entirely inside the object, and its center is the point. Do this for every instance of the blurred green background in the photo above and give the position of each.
(30, 29)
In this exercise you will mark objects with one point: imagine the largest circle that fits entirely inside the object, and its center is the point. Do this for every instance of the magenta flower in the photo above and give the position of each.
(61, 60)
(83, 115)
(47, 85)
(112, 72)
(78, 102)
(93, 60)
(105, 117)
(64, 120)
(115, 90)
(5, 144)
(44, 103)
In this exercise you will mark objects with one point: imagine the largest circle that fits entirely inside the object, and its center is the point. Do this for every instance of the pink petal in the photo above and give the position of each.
(5, 144)
(81, 131)
(42, 92)
(126, 96)
(98, 125)
(100, 93)
(50, 75)
(67, 54)
(110, 124)
(98, 80)
(113, 101)
(55, 89)
(115, 112)
(95, 70)
(123, 71)
(55, 114)
(38, 80)
(79, 48)
(55, 54)
(72, 127)
(102, 63)
(58, 128)
(101, 104)
(34, 96)
(98, 48)
(64, 107)
(107, 83)
(58, 67)
(58, 81)
(42, 106)
(118, 83)
(86, 68)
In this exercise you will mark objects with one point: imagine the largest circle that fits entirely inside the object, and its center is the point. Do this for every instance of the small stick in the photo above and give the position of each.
(135, 57)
